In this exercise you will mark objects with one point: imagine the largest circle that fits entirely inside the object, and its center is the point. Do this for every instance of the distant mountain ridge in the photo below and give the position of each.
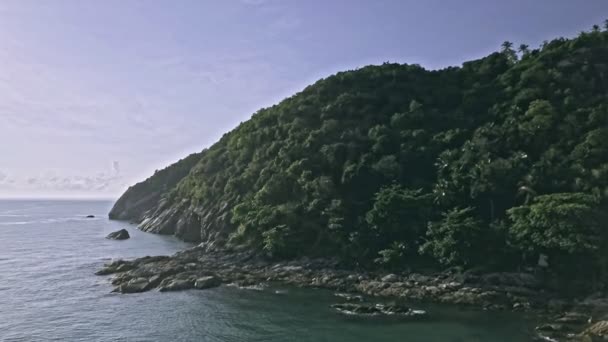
(489, 164)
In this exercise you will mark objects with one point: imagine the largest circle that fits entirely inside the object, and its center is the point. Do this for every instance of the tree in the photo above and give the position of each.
(457, 239)
(397, 215)
(507, 50)
(524, 49)
(558, 225)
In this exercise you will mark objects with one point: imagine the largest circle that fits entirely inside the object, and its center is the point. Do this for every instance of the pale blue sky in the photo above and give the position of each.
(96, 95)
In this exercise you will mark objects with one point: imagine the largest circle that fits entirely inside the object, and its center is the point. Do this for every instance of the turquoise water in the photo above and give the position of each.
(49, 252)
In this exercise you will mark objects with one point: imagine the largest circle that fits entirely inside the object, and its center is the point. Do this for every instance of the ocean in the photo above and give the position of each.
(49, 252)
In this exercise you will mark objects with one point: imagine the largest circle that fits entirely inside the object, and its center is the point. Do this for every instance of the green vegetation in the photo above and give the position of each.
(488, 164)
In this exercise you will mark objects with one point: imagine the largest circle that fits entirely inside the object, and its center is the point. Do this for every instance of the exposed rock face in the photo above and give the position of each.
(122, 234)
(127, 208)
(189, 222)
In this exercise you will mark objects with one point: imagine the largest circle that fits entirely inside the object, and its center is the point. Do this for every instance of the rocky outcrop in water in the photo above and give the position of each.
(204, 268)
(200, 268)
(122, 234)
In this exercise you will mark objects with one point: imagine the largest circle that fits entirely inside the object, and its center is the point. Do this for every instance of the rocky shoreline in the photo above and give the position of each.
(201, 268)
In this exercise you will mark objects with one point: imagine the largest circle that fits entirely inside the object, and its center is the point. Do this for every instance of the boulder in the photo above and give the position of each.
(134, 286)
(122, 234)
(176, 284)
(207, 282)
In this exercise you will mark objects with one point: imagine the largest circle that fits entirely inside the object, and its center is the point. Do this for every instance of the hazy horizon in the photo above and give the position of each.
(95, 96)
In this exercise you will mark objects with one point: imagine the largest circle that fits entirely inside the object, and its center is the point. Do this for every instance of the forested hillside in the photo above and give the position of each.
(489, 164)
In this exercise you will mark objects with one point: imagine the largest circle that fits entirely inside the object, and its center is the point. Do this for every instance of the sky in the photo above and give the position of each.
(96, 95)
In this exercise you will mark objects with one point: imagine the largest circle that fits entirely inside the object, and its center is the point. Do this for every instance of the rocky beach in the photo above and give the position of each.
(562, 319)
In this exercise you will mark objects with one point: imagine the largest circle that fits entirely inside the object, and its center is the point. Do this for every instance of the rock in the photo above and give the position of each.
(390, 278)
(349, 297)
(451, 286)
(116, 266)
(573, 318)
(378, 309)
(207, 282)
(419, 278)
(598, 329)
(134, 286)
(122, 234)
(511, 279)
(124, 268)
(357, 309)
(292, 268)
(550, 327)
(90, 216)
(176, 284)
(521, 306)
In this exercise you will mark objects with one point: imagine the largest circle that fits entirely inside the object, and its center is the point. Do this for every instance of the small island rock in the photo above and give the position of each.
(122, 234)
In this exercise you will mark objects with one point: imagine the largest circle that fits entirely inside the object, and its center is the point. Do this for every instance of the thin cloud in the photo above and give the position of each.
(50, 181)
(255, 2)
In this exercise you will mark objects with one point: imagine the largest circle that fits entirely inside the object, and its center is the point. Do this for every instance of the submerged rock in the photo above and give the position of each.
(122, 234)
(378, 309)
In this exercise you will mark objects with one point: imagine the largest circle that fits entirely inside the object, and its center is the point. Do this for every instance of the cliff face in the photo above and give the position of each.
(144, 196)
(393, 163)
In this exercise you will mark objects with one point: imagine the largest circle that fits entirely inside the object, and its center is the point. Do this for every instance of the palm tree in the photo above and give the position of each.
(506, 46)
(507, 50)
(524, 49)
(595, 28)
